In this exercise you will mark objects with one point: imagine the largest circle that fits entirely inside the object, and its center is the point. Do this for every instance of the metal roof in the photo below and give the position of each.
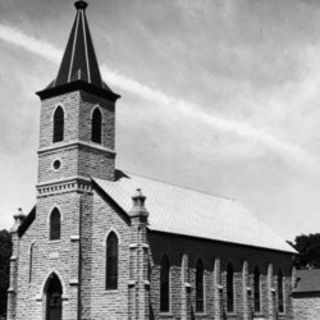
(79, 62)
(187, 212)
(79, 68)
(307, 281)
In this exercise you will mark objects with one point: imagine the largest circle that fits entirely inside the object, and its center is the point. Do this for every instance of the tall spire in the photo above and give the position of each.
(79, 63)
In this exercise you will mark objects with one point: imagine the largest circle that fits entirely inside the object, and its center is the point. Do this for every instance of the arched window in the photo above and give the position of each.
(96, 126)
(280, 292)
(30, 261)
(199, 286)
(55, 224)
(256, 290)
(165, 284)
(230, 294)
(58, 125)
(53, 290)
(112, 262)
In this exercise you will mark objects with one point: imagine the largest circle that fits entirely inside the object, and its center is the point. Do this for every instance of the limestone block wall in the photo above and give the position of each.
(77, 153)
(183, 254)
(49, 256)
(306, 306)
(104, 304)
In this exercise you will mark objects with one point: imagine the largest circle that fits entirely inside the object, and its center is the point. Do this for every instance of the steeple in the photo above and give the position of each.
(79, 68)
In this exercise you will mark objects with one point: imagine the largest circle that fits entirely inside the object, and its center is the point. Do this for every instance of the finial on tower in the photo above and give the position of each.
(80, 4)
(138, 208)
(18, 219)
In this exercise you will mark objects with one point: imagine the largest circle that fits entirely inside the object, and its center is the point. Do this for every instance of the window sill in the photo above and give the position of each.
(166, 314)
(231, 314)
(54, 241)
(111, 291)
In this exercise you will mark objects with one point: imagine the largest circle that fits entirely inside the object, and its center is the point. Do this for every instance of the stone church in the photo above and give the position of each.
(102, 243)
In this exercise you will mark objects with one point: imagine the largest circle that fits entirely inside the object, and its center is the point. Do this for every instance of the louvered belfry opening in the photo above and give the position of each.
(58, 125)
(96, 126)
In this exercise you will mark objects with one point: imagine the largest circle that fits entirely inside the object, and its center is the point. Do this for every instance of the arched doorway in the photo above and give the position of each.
(54, 298)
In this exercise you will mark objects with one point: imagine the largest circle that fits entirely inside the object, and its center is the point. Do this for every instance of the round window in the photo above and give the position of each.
(56, 164)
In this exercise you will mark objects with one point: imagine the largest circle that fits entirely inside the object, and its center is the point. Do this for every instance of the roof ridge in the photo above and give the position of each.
(182, 187)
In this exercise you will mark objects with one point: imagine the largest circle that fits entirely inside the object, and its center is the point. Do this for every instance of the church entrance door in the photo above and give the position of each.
(54, 299)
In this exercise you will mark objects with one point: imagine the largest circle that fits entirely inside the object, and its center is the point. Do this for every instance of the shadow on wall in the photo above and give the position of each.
(5, 254)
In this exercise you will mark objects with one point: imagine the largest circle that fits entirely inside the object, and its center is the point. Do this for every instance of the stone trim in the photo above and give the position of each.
(104, 244)
(44, 282)
(60, 104)
(75, 144)
(74, 282)
(75, 238)
(80, 184)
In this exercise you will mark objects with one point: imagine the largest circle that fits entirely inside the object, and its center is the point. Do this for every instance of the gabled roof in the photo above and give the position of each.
(307, 281)
(27, 222)
(79, 66)
(182, 211)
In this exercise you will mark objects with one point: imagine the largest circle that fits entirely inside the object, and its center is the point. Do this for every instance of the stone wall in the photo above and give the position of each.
(79, 156)
(216, 257)
(49, 256)
(79, 260)
(306, 306)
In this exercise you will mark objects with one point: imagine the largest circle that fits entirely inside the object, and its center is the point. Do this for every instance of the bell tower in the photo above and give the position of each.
(77, 122)
(51, 264)
(77, 142)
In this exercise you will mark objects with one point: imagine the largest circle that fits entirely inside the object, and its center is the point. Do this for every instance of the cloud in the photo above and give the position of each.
(291, 153)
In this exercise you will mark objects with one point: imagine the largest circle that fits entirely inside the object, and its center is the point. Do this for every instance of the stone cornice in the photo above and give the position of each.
(78, 184)
(75, 144)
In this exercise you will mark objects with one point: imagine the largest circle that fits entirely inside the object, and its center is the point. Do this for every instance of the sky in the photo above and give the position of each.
(221, 96)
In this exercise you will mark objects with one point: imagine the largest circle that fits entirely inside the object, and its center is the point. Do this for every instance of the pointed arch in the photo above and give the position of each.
(58, 124)
(96, 126)
(280, 291)
(165, 284)
(53, 291)
(256, 290)
(112, 244)
(199, 286)
(112, 229)
(55, 224)
(230, 288)
(42, 288)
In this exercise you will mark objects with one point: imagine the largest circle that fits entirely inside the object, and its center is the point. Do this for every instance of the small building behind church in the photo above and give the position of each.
(102, 243)
(306, 294)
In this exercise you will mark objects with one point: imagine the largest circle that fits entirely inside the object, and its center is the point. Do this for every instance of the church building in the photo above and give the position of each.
(101, 243)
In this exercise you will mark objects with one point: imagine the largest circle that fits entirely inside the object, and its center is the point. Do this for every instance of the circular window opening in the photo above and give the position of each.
(56, 164)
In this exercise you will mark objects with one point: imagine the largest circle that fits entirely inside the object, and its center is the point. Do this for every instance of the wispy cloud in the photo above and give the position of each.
(289, 152)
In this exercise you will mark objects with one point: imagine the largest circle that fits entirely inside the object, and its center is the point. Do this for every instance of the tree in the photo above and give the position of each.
(5, 254)
(308, 247)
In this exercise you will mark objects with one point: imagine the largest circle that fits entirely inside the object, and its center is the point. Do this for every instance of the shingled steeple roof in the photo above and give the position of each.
(79, 68)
